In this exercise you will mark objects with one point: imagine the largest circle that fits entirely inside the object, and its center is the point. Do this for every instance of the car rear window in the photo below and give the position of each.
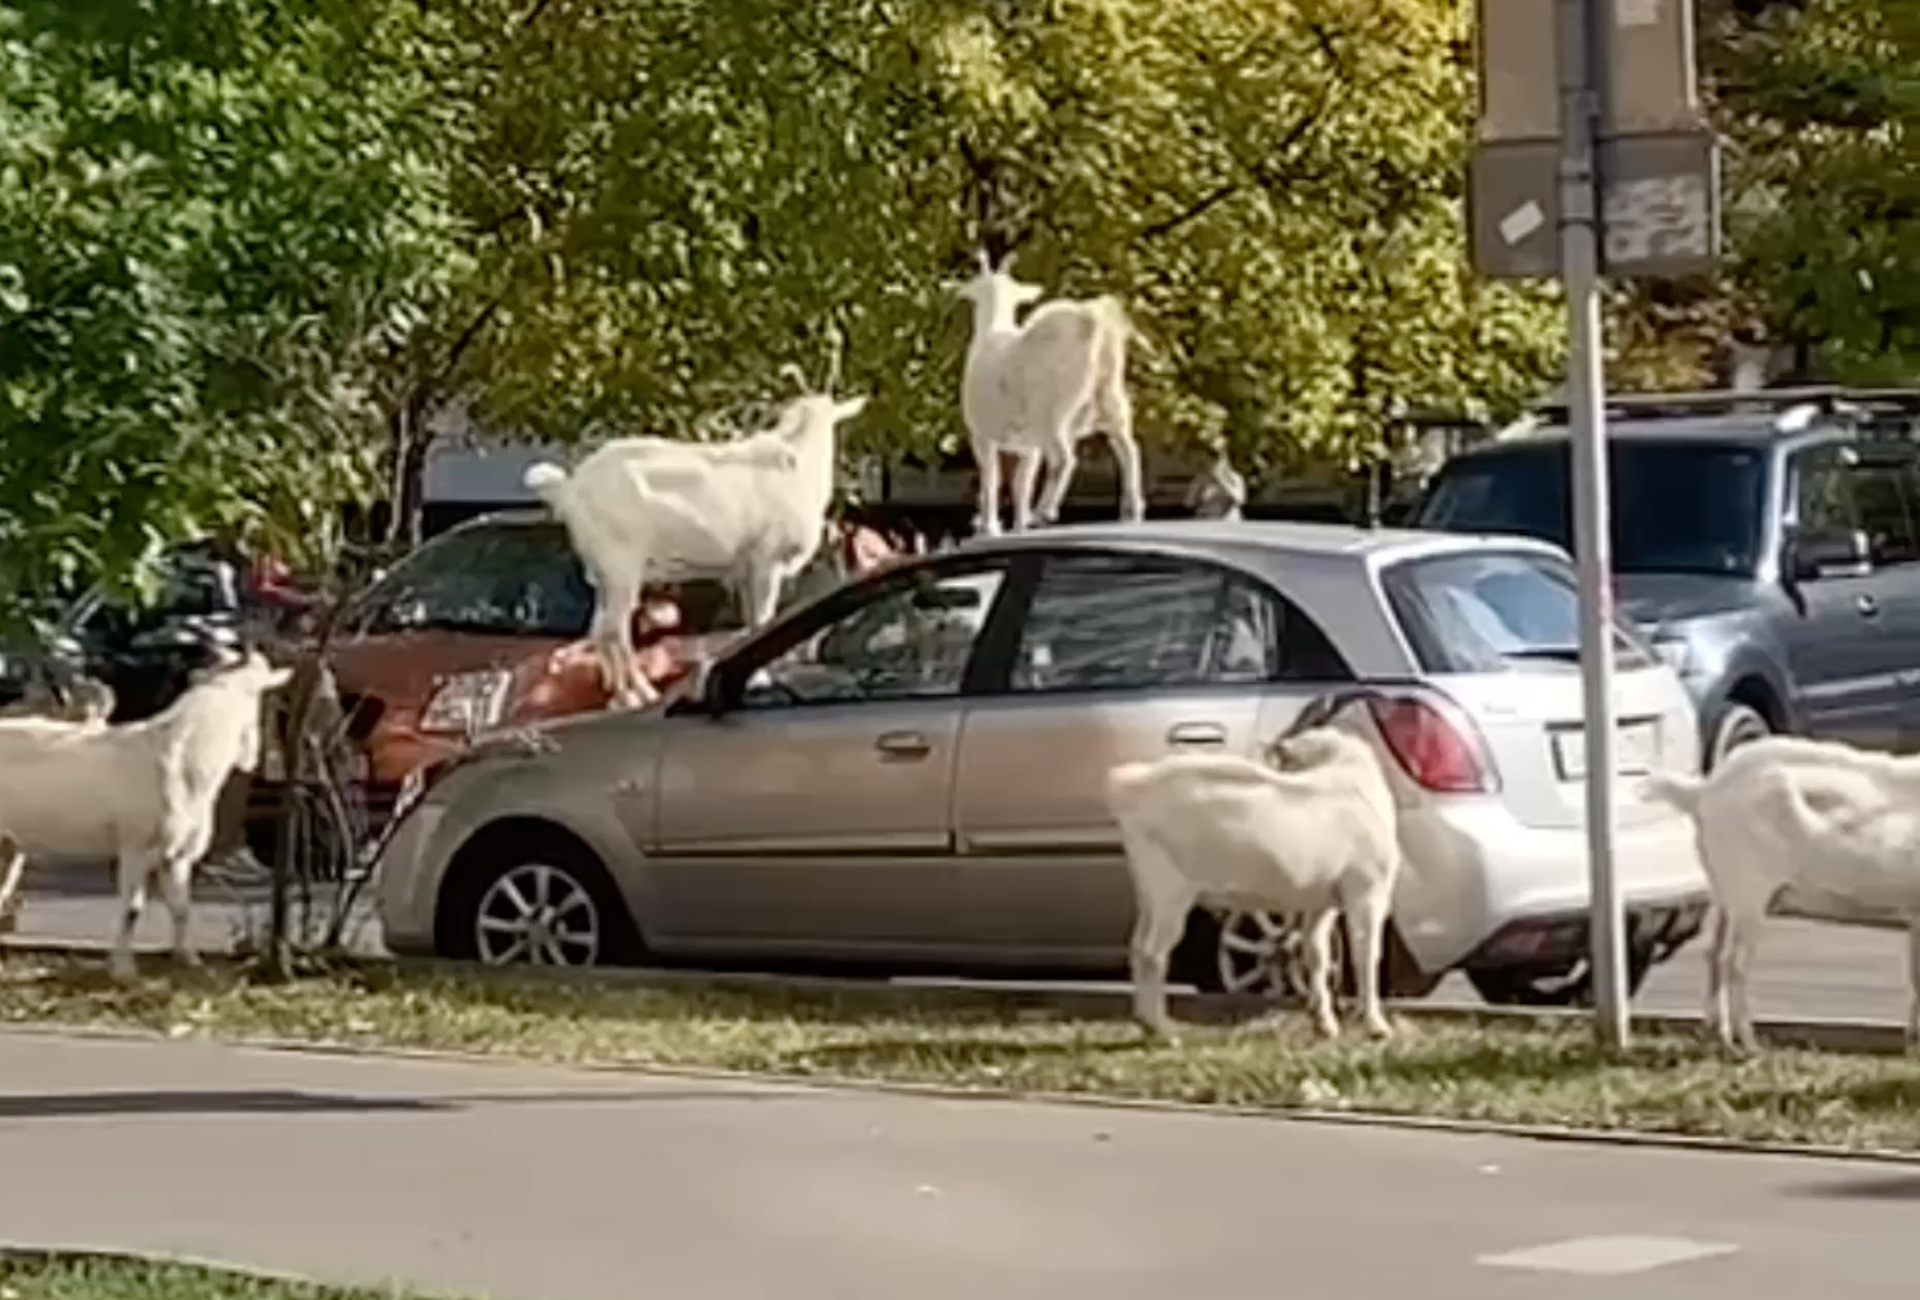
(1494, 611)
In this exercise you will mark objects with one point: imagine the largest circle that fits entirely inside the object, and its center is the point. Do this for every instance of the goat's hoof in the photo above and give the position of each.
(122, 972)
(1381, 1029)
(1329, 1029)
(1159, 1034)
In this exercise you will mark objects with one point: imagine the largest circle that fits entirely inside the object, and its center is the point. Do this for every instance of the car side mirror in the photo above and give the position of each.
(1813, 556)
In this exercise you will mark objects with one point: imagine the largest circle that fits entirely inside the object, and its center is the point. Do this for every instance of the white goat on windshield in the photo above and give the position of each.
(1320, 837)
(752, 512)
(1034, 389)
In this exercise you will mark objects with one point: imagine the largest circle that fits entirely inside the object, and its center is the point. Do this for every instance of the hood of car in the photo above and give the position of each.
(1656, 599)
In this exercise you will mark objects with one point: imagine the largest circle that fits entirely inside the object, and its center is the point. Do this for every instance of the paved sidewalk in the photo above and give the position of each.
(532, 1184)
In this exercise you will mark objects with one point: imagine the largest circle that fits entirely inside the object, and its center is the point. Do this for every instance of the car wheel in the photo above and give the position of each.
(1523, 987)
(539, 901)
(1262, 953)
(1738, 725)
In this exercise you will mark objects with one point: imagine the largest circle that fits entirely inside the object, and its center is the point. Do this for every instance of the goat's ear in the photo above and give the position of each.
(1006, 264)
(986, 263)
(278, 677)
(848, 409)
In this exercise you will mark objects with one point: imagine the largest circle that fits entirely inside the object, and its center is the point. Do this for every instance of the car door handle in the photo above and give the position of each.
(1196, 733)
(1867, 605)
(903, 744)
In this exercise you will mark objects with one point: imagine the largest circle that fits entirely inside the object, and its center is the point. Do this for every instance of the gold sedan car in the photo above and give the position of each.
(910, 770)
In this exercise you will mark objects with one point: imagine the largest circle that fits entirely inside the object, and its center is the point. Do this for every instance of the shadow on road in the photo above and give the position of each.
(290, 1101)
(1890, 1187)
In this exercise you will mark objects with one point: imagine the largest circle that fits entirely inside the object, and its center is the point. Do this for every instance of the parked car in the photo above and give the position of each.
(484, 626)
(1768, 544)
(910, 770)
(145, 654)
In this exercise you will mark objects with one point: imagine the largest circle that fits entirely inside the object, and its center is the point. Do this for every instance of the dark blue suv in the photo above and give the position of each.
(1768, 543)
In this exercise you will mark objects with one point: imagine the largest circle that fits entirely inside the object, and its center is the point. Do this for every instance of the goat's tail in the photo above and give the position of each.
(1682, 792)
(545, 480)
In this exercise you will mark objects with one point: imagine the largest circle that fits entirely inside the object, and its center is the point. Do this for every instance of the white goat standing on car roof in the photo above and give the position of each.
(1320, 837)
(1820, 820)
(1036, 388)
(142, 791)
(752, 512)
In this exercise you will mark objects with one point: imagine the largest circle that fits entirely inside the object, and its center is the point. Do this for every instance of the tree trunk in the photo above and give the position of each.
(411, 441)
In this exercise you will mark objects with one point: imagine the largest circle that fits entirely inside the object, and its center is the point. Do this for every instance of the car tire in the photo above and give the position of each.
(530, 898)
(1234, 952)
(1509, 986)
(1738, 724)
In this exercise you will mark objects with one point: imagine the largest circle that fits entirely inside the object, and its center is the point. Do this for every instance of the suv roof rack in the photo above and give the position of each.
(1873, 405)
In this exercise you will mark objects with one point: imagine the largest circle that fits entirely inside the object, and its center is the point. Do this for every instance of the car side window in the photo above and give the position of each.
(1823, 495)
(1102, 622)
(1882, 491)
(912, 638)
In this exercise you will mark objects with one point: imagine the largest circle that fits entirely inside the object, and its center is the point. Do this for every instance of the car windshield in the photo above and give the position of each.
(1678, 507)
(1494, 611)
(515, 580)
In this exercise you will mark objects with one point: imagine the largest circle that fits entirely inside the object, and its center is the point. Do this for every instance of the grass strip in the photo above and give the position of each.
(1520, 1074)
(82, 1278)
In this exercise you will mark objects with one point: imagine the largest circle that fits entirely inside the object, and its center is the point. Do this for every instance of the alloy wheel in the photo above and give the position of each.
(540, 915)
(1263, 953)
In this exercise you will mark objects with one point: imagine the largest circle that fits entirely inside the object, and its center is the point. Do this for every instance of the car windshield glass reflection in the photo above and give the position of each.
(510, 580)
(912, 641)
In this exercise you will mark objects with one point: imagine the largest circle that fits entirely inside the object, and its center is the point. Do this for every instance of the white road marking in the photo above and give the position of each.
(1607, 1256)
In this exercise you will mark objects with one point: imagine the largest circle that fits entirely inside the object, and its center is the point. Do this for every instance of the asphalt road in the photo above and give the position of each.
(547, 1185)
(1803, 970)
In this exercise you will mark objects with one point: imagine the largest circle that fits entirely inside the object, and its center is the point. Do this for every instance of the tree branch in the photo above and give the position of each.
(1192, 212)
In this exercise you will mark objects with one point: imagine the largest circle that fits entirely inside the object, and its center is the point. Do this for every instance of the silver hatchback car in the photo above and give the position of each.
(910, 770)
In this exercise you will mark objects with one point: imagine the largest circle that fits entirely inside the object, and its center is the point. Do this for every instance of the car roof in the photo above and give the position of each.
(1240, 539)
(1747, 430)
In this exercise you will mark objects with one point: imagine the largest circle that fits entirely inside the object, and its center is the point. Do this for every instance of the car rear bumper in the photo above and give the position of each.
(1481, 889)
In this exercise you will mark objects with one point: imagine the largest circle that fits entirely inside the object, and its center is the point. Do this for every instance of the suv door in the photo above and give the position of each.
(1887, 491)
(812, 813)
(1846, 666)
(1117, 657)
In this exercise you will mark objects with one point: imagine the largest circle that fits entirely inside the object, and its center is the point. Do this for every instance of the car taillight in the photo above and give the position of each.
(1429, 746)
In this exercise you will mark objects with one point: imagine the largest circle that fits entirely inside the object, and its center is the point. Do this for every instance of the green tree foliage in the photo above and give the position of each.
(1823, 99)
(217, 219)
(1818, 102)
(1273, 188)
(247, 248)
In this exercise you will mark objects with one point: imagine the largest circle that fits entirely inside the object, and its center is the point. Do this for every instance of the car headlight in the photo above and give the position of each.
(1675, 652)
(468, 702)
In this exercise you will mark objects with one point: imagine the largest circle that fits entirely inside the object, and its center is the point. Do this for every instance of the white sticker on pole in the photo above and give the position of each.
(1521, 222)
(1636, 13)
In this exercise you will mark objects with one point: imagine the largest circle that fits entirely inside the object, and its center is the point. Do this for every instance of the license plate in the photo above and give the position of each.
(1636, 750)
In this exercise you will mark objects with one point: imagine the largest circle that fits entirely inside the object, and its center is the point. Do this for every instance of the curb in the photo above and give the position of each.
(1820, 1034)
(1386, 1120)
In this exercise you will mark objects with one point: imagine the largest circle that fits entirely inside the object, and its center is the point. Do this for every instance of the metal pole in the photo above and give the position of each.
(1581, 38)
